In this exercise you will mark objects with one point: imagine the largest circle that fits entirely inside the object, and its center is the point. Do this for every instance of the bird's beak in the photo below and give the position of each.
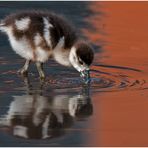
(85, 74)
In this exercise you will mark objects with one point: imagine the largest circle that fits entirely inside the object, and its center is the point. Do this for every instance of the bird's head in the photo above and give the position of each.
(81, 57)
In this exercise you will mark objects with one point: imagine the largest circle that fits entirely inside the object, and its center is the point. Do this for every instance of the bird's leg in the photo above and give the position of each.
(24, 69)
(40, 70)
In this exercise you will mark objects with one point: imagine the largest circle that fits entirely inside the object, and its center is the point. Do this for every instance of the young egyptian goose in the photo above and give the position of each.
(37, 36)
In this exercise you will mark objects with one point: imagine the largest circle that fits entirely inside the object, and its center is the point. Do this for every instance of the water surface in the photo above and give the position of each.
(62, 111)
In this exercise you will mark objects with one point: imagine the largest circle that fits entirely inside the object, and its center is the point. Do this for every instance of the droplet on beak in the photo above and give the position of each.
(85, 76)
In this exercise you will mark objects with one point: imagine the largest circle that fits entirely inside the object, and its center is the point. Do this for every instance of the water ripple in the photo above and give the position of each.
(122, 78)
(108, 78)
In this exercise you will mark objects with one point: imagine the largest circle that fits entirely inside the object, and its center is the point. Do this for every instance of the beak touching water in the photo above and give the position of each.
(85, 74)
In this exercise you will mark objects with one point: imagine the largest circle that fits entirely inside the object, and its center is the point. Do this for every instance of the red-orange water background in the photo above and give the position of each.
(121, 118)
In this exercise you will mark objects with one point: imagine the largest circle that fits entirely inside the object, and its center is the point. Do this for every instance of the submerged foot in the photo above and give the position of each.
(40, 70)
(42, 76)
(22, 72)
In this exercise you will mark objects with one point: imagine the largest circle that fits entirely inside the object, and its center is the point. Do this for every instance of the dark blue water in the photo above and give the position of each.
(55, 113)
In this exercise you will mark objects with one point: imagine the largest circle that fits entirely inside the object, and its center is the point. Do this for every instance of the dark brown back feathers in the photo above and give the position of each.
(61, 27)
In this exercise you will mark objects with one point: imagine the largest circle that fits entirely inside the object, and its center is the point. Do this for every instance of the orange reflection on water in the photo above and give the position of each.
(123, 26)
(120, 118)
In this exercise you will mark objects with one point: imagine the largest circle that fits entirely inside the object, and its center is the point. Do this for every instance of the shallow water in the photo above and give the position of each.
(62, 111)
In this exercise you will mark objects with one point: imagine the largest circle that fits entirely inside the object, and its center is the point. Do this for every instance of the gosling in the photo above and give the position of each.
(37, 36)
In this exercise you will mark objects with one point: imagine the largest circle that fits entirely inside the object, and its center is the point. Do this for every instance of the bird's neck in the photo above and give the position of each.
(60, 54)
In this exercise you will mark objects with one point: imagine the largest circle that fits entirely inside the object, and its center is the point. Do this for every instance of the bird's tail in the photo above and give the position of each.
(3, 122)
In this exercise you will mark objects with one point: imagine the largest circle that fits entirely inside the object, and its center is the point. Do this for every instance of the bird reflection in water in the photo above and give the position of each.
(36, 116)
